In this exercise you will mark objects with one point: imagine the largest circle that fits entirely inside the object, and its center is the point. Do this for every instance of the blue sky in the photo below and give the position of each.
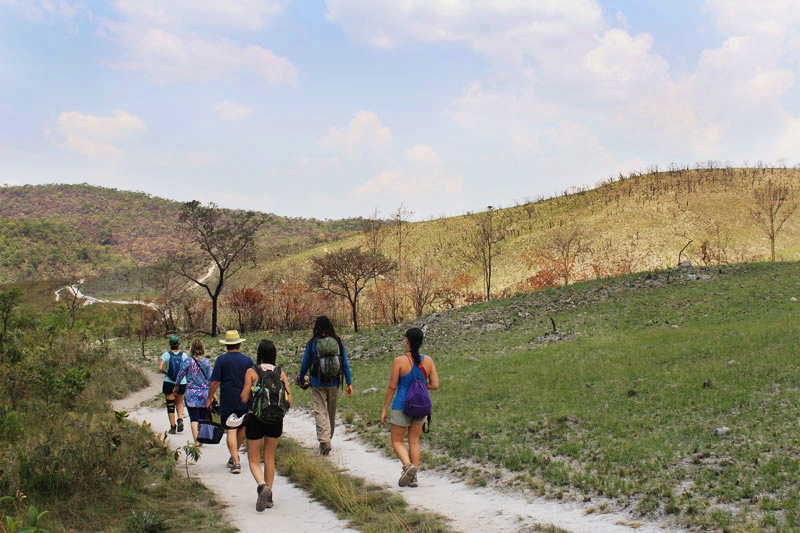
(336, 108)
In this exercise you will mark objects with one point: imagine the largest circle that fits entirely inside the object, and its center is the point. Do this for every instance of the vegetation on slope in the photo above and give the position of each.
(70, 231)
(625, 399)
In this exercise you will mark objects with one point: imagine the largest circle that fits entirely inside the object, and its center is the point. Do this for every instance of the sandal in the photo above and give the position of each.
(236, 468)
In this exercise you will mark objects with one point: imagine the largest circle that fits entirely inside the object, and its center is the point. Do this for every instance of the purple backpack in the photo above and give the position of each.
(418, 399)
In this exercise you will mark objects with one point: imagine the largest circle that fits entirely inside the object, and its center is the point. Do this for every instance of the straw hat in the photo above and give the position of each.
(231, 337)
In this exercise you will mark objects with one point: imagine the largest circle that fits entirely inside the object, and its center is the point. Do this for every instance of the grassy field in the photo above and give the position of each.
(624, 400)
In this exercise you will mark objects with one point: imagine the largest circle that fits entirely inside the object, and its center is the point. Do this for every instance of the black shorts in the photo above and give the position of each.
(198, 413)
(256, 429)
(168, 387)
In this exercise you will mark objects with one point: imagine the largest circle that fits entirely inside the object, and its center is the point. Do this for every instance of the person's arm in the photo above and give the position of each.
(306, 361)
(162, 365)
(249, 378)
(212, 388)
(347, 377)
(433, 376)
(390, 390)
(286, 386)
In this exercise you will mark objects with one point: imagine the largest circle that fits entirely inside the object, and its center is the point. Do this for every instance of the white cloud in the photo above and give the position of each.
(168, 56)
(227, 110)
(502, 28)
(196, 40)
(364, 134)
(423, 173)
(249, 14)
(95, 137)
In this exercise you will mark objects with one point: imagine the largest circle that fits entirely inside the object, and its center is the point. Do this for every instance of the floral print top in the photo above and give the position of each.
(196, 382)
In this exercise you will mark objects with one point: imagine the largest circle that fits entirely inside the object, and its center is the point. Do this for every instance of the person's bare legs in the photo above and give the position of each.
(254, 461)
(179, 405)
(195, 428)
(235, 437)
(414, 431)
(398, 445)
(171, 415)
(270, 445)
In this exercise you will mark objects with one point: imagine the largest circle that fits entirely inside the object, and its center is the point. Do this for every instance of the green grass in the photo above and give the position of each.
(615, 404)
(366, 507)
(620, 408)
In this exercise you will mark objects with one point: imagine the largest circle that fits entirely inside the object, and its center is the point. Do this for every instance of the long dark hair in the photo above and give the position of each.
(323, 327)
(267, 353)
(415, 337)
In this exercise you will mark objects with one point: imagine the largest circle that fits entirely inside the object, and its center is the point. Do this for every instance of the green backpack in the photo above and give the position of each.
(328, 362)
(268, 403)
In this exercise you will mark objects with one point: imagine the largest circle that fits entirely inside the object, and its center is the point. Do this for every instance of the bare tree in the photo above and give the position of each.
(372, 232)
(481, 243)
(775, 202)
(346, 272)
(227, 238)
(400, 231)
(559, 253)
(421, 277)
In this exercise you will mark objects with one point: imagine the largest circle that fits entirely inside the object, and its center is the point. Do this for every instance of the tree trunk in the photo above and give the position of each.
(214, 315)
(353, 305)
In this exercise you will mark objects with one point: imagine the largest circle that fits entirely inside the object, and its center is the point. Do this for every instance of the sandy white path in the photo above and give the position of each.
(470, 509)
(293, 511)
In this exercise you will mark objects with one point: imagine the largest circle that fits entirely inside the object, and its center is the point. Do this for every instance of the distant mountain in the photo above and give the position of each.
(49, 231)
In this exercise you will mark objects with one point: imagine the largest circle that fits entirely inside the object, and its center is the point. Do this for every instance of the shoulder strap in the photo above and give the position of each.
(201, 368)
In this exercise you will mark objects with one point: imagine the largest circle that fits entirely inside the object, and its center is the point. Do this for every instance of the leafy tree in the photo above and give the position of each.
(775, 202)
(346, 272)
(228, 239)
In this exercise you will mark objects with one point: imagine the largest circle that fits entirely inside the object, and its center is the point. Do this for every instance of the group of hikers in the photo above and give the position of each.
(253, 397)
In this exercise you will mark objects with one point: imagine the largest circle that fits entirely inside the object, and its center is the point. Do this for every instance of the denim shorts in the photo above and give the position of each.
(399, 418)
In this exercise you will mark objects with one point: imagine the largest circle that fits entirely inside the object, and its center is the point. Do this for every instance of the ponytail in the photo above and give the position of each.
(415, 337)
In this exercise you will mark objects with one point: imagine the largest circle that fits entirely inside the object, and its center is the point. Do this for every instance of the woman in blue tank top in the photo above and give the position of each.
(405, 369)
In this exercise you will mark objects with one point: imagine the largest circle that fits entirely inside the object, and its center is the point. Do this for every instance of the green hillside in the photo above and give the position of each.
(622, 402)
(63, 231)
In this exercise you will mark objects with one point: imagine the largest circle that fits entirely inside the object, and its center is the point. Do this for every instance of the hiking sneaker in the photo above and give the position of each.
(229, 464)
(264, 497)
(236, 468)
(171, 430)
(413, 482)
(324, 448)
(409, 471)
(180, 425)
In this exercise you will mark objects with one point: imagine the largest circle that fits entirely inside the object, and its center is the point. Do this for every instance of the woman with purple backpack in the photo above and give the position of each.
(406, 370)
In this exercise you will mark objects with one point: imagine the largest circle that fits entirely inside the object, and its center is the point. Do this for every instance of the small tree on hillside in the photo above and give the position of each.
(227, 238)
(346, 272)
(481, 243)
(559, 253)
(775, 202)
(421, 277)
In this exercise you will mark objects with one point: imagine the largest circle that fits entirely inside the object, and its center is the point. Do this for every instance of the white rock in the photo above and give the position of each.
(369, 390)
(732, 362)
(724, 430)
(793, 299)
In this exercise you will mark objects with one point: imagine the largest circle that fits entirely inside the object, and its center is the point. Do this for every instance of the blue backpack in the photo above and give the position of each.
(418, 399)
(175, 362)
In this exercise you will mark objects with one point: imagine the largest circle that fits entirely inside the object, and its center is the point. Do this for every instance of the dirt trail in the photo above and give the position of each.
(470, 509)
(293, 511)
